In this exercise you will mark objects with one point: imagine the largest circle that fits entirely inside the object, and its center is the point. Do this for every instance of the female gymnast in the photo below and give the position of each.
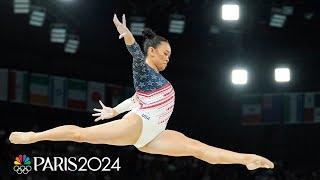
(149, 111)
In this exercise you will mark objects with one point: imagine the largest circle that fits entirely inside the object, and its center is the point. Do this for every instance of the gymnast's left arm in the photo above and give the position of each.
(131, 44)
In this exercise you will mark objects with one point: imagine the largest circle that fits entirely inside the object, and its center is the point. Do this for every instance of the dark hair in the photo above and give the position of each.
(151, 39)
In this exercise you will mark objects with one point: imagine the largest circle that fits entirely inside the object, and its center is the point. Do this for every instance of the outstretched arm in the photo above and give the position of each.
(123, 30)
(132, 46)
(108, 112)
(126, 105)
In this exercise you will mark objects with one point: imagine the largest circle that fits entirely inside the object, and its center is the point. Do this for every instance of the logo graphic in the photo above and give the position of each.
(22, 164)
(145, 116)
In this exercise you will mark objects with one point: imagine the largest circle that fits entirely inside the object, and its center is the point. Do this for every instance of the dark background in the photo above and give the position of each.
(207, 106)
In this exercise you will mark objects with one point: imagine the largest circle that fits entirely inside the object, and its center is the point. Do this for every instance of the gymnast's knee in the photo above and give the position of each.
(195, 148)
(77, 133)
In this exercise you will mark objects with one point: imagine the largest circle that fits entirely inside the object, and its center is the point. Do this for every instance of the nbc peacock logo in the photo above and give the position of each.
(22, 164)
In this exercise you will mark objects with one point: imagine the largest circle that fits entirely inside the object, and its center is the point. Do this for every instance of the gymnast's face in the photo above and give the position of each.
(160, 55)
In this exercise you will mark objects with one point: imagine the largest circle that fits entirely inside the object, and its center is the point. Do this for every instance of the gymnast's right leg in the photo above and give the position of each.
(121, 132)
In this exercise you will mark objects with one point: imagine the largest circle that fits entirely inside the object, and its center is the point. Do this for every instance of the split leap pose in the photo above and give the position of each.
(150, 108)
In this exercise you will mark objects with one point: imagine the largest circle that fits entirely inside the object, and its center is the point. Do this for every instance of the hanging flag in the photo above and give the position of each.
(58, 91)
(96, 92)
(293, 108)
(3, 84)
(309, 107)
(39, 89)
(18, 86)
(77, 94)
(272, 108)
(251, 109)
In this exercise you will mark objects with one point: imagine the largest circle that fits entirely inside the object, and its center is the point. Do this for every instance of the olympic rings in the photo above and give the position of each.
(22, 169)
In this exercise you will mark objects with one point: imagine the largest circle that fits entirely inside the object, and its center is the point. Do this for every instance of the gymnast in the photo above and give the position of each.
(150, 108)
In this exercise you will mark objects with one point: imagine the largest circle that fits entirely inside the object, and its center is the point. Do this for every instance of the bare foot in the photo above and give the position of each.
(253, 162)
(22, 137)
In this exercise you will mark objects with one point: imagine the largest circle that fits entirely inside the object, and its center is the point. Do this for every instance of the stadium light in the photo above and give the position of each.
(72, 44)
(37, 16)
(58, 33)
(279, 15)
(137, 25)
(287, 10)
(282, 74)
(239, 76)
(21, 6)
(277, 20)
(177, 23)
(230, 12)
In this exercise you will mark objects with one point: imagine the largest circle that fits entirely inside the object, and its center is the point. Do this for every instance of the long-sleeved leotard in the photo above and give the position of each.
(155, 95)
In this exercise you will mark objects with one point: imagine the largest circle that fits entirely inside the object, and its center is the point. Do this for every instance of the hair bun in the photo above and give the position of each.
(147, 33)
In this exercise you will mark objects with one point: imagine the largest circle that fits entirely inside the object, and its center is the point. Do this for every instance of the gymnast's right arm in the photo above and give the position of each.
(126, 105)
(108, 112)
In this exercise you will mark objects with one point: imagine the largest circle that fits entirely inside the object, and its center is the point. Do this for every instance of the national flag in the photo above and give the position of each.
(39, 89)
(272, 108)
(58, 91)
(293, 107)
(251, 109)
(96, 92)
(18, 86)
(309, 107)
(77, 94)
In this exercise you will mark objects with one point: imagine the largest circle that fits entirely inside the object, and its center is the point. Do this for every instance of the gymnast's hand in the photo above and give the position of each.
(121, 27)
(104, 113)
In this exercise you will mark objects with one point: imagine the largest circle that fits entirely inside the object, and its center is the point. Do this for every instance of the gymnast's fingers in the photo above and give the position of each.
(122, 35)
(97, 119)
(124, 19)
(116, 20)
(98, 110)
(102, 104)
(96, 114)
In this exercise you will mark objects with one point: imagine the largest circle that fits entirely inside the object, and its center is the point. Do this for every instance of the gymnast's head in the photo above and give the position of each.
(157, 49)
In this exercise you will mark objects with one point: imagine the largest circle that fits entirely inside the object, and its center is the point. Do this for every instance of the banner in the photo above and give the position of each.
(39, 89)
(293, 108)
(77, 94)
(58, 91)
(272, 108)
(251, 109)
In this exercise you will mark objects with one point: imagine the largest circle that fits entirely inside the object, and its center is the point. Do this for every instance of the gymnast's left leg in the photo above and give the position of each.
(173, 143)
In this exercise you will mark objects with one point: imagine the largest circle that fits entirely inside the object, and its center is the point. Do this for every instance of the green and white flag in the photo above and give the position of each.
(39, 89)
(77, 94)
